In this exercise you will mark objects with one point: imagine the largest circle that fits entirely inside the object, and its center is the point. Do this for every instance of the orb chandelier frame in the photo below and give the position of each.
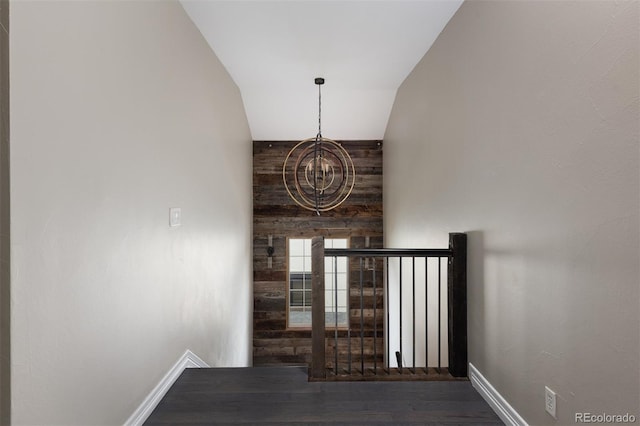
(318, 173)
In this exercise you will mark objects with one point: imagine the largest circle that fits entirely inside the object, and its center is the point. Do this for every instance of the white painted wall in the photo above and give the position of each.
(520, 126)
(119, 111)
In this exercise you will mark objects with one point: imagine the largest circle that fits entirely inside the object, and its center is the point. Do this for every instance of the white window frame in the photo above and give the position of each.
(299, 263)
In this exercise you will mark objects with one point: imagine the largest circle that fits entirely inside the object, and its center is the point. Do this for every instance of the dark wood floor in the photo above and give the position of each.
(283, 395)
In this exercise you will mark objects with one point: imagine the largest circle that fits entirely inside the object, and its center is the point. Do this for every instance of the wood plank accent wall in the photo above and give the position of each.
(275, 213)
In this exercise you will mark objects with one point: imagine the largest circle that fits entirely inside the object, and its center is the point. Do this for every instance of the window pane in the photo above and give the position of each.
(329, 297)
(342, 281)
(342, 299)
(342, 264)
(301, 276)
(300, 319)
(295, 298)
(296, 264)
(339, 243)
(328, 264)
(296, 247)
(329, 281)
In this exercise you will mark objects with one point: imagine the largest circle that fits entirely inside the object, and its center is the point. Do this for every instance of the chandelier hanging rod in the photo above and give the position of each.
(319, 81)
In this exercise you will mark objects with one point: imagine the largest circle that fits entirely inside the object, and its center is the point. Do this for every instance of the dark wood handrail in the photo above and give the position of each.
(387, 252)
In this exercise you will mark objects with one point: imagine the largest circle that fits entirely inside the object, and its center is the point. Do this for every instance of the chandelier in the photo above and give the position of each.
(318, 173)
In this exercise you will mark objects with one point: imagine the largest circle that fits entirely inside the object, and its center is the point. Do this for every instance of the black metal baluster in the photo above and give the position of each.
(361, 317)
(349, 349)
(349, 326)
(386, 302)
(426, 315)
(375, 320)
(439, 308)
(335, 290)
(413, 302)
(399, 353)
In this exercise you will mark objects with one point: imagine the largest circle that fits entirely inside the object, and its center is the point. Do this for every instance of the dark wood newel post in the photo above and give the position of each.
(318, 367)
(457, 297)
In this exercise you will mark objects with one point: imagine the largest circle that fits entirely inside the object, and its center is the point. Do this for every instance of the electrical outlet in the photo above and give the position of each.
(550, 401)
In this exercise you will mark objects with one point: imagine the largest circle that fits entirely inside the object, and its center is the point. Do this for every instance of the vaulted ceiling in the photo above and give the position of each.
(273, 50)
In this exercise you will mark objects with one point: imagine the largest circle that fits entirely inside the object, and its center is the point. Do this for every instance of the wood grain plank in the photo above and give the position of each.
(283, 395)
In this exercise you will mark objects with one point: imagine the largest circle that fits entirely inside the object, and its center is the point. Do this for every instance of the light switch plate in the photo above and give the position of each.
(175, 216)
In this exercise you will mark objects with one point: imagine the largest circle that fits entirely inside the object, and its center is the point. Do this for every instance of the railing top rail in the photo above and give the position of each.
(387, 252)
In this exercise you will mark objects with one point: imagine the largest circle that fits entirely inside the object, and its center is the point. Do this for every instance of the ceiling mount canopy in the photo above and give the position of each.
(318, 173)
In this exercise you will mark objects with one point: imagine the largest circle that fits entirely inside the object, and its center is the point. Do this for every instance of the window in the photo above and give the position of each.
(336, 284)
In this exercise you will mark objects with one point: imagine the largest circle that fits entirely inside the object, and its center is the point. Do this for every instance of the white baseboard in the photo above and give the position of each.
(188, 360)
(500, 405)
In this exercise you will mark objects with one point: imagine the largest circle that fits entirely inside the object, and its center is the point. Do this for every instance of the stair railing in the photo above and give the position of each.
(456, 254)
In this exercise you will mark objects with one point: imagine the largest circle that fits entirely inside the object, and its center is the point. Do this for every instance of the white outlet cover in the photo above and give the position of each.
(550, 401)
(175, 216)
